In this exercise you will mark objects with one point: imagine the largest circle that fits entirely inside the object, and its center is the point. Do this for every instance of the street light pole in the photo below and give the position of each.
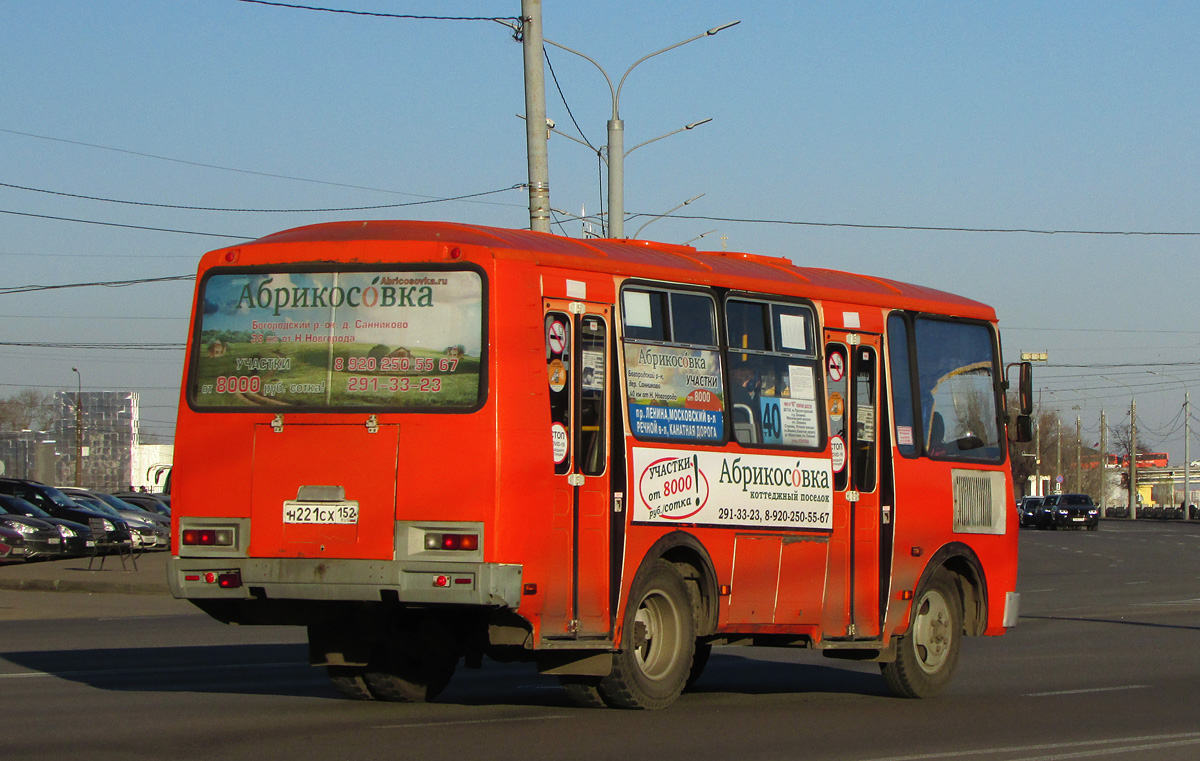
(1132, 448)
(535, 116)
(78, 425)
(1187, 435)
(616, 131)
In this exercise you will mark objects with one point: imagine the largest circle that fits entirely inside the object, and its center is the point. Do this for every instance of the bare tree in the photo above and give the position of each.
(28, 409)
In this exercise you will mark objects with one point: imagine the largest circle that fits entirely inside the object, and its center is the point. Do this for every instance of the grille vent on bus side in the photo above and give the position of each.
(978, 502)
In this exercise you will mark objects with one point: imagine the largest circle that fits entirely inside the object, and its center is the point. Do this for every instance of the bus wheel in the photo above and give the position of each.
(699, 661)
(659, 641)
(410, 677)
(351, 681)
(927, 655)
(583, 691)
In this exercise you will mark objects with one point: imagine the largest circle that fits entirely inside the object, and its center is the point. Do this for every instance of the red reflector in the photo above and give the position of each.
(442, 581)
(462, 581)
(190, 577)
(466, 542)
(206, 537)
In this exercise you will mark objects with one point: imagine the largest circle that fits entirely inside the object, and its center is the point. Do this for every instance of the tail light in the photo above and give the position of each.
(461, 542)
(208, 537)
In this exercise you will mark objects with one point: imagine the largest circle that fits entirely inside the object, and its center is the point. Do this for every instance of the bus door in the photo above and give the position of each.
(853, 381)
(577, 356)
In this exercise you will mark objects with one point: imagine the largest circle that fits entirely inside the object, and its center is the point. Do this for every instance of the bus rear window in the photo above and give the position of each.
(395, 340)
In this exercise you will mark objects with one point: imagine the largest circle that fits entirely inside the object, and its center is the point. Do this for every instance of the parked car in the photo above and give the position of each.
(1069, 511)
(42, 539)
(155, 503)
(76, 537)
(128, 510)
(60, 505)
(144, 534)
(9, 539)
(1027, 510)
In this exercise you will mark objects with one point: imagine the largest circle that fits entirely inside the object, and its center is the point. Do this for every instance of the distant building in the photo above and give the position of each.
(114, 453)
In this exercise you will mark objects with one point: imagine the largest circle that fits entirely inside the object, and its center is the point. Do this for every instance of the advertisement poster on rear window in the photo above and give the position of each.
(674, 393)
(339, 339)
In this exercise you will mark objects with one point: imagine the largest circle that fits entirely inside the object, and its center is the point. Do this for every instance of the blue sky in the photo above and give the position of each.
(1065, 116)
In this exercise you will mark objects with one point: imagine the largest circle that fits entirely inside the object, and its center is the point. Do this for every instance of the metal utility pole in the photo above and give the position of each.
(1187, 454)
(1058, 471)
(78, 426)
(1132, 459)
(1079, 456)
(535, 116)
(1103, 464)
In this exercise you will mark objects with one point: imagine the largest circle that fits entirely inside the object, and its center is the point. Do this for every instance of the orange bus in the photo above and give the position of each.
(430, 442)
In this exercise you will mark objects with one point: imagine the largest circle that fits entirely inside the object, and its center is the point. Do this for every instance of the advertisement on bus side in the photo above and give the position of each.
(674, 486)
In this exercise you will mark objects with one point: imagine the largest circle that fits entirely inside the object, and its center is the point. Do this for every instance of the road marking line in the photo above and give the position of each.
(1149, 741)
(148, 670)
(467, 721)
(1081, 692)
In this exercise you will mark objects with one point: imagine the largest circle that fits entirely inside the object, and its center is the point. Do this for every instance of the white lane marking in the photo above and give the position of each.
(412, 725)
(1084, 691)
(149, 670)
(1145, 742)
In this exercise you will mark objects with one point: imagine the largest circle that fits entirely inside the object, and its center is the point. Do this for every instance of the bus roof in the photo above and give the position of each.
(648, 259)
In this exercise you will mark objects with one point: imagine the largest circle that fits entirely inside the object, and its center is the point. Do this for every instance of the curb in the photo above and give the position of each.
(63, 585)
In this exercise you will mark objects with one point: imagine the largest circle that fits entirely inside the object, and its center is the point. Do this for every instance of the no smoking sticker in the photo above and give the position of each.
(557, 337)
(837, 367)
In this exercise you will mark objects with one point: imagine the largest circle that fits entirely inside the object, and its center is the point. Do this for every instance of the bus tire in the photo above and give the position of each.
(408, 677)
(658, 643)
(699, 661)
(927, 655)
(583, 691)
(351, 681)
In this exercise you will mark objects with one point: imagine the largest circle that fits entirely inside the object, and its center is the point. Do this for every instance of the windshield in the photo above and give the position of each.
(400, 340)
(18, 506)
(60, 499)
(117, 503)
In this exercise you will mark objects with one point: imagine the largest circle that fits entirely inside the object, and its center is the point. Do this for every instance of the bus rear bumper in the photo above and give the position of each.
(425, 583)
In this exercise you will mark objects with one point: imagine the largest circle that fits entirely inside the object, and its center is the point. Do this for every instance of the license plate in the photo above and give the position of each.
(326, 513)
(1079, 520)
(54, 541)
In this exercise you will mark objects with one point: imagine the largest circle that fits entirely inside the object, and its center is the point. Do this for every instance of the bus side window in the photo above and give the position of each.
(593, 415)
(837, 402)
(866, 425)
(957, 372)
(772, 363)
(558, 374)
(901, 384)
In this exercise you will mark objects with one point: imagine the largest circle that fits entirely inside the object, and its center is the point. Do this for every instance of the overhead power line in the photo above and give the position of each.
(103, 283)
(263, 211)
(130, 227)
(82, 345)
(923, 228)
(407, 16)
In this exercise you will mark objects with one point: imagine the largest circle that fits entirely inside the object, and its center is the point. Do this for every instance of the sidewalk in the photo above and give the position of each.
(71, 575)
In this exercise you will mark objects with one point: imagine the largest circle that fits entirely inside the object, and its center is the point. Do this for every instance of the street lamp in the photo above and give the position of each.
(1132, 448)
(1187, 435)
(616, 131)
(78, 425)
(666, 214)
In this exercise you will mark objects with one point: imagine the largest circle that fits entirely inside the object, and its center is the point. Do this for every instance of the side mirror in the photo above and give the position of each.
(1024, 429)
(1025, 390)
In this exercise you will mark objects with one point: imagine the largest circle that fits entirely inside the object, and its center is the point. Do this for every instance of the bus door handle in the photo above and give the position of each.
(575, 479)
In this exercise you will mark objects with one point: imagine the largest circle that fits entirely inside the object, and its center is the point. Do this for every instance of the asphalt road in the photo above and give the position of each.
(1104, 664)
